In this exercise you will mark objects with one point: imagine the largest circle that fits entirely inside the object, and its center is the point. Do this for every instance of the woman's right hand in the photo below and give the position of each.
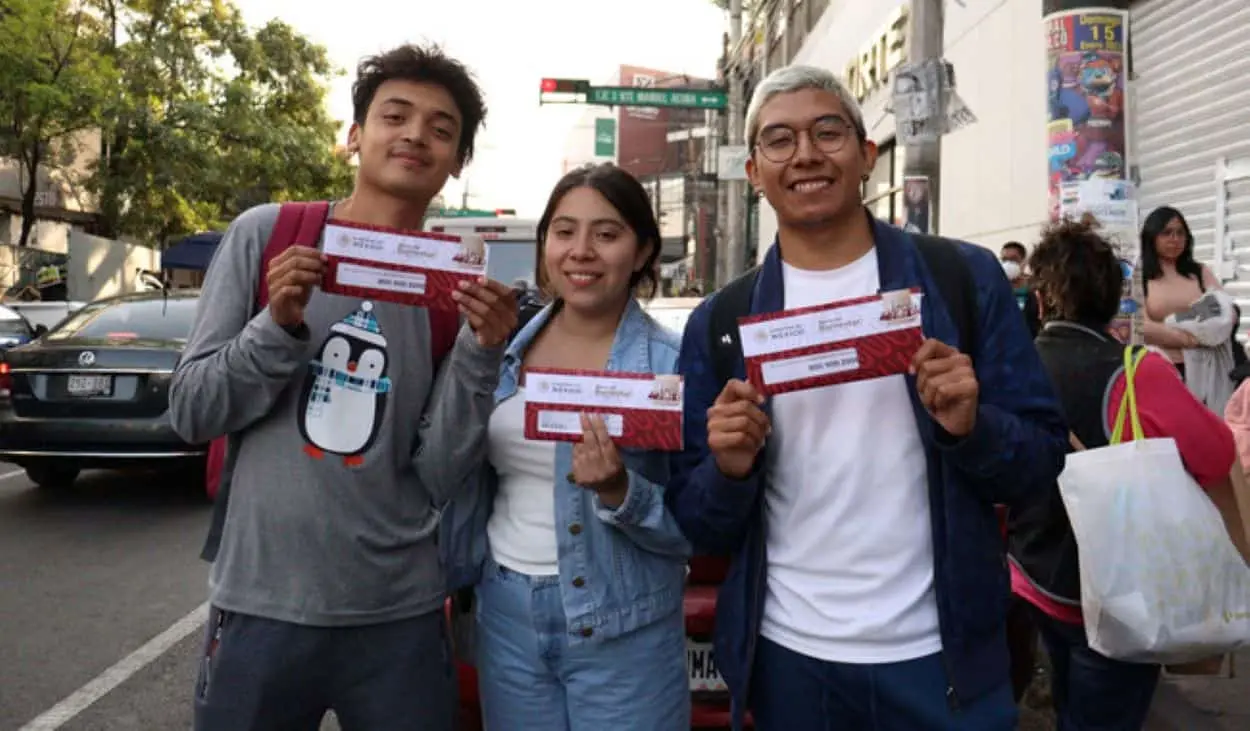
(1188, 339)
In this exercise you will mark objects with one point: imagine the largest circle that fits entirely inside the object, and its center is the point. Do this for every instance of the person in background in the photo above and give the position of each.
(1078, 279)
(327, 592)
(867, 587)
(578, 567)
(1013, 256)
(1173, 280)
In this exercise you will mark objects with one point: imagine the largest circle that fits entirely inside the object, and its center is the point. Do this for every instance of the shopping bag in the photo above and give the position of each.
(1161, 581)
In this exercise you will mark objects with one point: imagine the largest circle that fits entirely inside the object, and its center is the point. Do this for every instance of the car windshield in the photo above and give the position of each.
(146, 319)
(510, 262)
(14, 327)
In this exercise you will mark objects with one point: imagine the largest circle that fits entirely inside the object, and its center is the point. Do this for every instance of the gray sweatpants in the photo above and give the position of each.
(263, 675)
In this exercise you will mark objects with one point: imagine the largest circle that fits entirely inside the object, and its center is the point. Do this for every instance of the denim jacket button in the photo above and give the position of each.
(579, 582)
(575, 528)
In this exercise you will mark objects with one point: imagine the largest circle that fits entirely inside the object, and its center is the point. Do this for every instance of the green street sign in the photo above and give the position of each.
(605, 137)
(459, 213)
(631, 96)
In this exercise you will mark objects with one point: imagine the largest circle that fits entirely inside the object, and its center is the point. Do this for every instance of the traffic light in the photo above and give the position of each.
(565, 86)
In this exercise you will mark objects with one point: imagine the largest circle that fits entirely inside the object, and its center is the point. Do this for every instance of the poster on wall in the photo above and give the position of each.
(917, 204)
(1087, 158)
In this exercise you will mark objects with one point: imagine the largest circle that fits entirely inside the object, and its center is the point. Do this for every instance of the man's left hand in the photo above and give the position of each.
(947, 385)
(597, 465)
(490, 308)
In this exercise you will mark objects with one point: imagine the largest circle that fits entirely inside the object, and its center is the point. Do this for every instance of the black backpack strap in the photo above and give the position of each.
(730, 303)
(954, 280)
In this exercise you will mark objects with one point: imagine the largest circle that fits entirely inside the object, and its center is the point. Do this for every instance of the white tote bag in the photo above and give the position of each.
(1161, 581)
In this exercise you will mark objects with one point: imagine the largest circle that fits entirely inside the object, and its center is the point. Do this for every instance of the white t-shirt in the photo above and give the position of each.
(850, 550)
(522, 528)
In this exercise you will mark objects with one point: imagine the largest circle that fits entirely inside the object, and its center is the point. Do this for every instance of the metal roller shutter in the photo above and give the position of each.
(1191, 122)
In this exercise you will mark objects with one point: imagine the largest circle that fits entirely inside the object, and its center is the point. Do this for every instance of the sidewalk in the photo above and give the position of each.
(1180, 703)
(1203, 703)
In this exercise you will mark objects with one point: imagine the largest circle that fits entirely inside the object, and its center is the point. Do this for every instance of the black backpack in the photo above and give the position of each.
(942, 256)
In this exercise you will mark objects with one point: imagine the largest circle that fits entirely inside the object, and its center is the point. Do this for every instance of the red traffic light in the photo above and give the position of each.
(564, 86)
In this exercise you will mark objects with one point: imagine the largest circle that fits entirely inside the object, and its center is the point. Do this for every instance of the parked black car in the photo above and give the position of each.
(94, 390)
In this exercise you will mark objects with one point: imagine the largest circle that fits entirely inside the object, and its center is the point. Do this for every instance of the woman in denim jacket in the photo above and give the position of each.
(578, 568)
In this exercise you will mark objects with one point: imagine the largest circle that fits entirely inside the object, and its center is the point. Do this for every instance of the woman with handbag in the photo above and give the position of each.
(1078, 281)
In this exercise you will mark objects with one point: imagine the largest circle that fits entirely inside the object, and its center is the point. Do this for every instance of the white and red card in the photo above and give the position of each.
(840, 342)
(640, 410)
(408, 267)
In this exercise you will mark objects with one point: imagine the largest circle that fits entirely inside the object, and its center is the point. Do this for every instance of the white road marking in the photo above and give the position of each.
(83, 698)
(14, 473)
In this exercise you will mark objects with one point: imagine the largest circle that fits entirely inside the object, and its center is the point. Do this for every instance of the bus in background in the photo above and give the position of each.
(510, 244)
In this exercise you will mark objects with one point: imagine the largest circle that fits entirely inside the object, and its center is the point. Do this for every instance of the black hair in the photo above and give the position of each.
(629, 198)
(1078, 273)
(1014, 246)
(1158, 220)
(422, 64)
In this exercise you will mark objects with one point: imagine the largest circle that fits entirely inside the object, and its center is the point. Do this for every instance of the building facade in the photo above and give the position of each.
(1175, 82)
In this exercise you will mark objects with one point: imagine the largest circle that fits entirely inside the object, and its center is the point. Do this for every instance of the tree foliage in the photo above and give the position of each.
(204, 116)
(216, 118)
(53, 84)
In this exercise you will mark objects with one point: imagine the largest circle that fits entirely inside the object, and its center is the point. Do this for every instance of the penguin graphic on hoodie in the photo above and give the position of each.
(344, 395)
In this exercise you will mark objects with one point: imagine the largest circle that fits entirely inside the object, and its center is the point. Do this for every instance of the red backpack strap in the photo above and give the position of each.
(298, 224)
(444, 326)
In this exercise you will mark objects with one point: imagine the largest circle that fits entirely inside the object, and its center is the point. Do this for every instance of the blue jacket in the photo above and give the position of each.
(1015, 450)
(630, 562)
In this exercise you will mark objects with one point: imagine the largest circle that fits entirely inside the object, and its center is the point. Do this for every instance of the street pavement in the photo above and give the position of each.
(102, 603)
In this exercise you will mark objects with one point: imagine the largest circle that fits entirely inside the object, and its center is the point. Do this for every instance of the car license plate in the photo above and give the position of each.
(702, 666)
(87, 385)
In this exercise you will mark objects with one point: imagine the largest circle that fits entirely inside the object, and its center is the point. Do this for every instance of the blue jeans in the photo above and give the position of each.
(794, 692)
(1092, 692)
(531, 678)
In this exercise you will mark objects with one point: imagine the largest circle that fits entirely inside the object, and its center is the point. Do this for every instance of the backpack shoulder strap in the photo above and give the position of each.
(954, 279)
(730, 303)
(298, 224)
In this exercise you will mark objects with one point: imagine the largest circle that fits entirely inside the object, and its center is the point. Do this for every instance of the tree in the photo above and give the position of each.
(216, 118)
(53, 84)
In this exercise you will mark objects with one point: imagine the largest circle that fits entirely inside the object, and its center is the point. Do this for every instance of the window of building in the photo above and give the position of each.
(883, 191)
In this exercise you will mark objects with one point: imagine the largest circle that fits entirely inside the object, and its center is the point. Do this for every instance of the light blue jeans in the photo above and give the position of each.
(530, 678)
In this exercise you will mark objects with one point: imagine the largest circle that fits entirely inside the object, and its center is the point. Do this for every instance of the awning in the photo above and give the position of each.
(193, 252)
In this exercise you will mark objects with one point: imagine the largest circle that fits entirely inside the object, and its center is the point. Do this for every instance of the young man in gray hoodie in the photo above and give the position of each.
(326, 588)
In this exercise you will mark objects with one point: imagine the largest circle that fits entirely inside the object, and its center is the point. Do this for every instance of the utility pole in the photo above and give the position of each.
(925, 159)
(733, 262)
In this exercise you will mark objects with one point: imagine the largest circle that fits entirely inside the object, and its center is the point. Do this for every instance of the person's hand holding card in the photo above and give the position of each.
(489, 307)
(737, 428)
(948, 386)
(597, 465)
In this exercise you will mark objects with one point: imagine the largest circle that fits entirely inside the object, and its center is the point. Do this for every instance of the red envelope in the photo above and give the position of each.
(641, 410)
(841, 342)
(411, 268)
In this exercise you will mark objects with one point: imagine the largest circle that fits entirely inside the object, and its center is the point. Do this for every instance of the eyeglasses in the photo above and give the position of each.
(780, 143)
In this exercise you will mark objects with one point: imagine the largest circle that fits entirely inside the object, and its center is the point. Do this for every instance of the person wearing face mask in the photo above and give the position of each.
(578, 566)
(868, 585)
(1012, 257)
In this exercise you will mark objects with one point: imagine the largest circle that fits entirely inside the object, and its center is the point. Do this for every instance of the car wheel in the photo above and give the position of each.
(52, 476)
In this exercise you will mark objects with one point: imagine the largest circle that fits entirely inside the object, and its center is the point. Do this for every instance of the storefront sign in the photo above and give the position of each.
(871, 68)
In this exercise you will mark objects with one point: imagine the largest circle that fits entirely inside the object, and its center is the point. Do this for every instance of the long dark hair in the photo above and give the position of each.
(629, 199)
(1077, 273)
(1158, 220)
